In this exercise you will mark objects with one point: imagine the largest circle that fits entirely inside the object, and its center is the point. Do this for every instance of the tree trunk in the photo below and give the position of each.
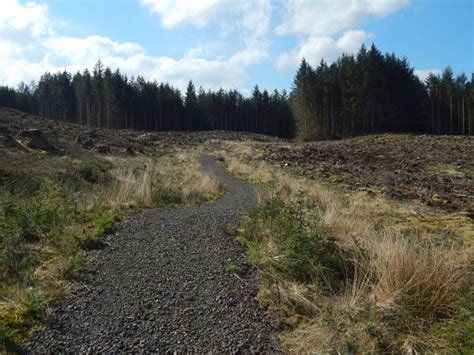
(451, 114)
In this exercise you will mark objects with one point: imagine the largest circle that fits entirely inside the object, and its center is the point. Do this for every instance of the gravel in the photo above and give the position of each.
(163, 286)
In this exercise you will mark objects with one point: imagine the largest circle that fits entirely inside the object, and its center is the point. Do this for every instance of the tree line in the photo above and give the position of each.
(371, 92)
(357, 94)
(107, 98)
(451, 104)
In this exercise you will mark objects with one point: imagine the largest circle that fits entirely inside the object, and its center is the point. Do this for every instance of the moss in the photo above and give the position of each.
(196, 198)
(457, 335)
(446, 170)
(16, 318)
(234, 269)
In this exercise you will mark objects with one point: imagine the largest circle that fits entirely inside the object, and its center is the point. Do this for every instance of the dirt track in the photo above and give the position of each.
(163, 286)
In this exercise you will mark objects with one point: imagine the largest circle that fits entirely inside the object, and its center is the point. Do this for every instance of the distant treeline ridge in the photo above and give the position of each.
(371, 92)
(363, 93)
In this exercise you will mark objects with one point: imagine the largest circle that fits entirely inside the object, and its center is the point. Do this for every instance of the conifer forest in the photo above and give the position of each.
(358, 94)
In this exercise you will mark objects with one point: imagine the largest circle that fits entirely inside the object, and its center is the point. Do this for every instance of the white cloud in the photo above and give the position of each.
(254, 52)
(317, 23)
(20, 70)
(30, 44)
(326, 17)
(250, 15)
(251, 19)
(89, 48)
(207, 73)
(196, 13)
(317, 47)
(422, 74)
(22, 28)
(30, 24)
(19, 21)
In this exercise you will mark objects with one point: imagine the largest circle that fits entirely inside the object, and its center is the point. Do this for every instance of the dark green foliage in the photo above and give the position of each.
(105, 223)
(109, 99)
(74, 266)
(19, 183)
(44, 231)
(31, 219)
(451, 103)
(171, 198)
(31, 308)
(366, 93)
(351, 347)
(312, 257)
(300, 252)
(459, 332)
(79, 174)
(195, 198)
(24, 221)
(91, 171)
(234, 269)
(372, 92)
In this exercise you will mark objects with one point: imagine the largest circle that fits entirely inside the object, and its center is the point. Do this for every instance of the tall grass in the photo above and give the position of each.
(373, 286)
(65, 209)
(422, 280)
(162, 182)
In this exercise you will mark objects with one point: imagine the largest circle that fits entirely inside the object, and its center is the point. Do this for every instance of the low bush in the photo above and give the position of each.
(170, 198)
(380, 294)
(59, 207)
(23, 221)
(234, 269)
(18, 182)
(284, 245)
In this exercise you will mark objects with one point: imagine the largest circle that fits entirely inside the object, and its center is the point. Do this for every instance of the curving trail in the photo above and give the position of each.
(163, 286)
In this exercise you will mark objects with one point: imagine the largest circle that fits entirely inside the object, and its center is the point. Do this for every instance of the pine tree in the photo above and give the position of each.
(190, 106)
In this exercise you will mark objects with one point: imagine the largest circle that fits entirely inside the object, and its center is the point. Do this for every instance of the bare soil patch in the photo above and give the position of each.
(437, 170)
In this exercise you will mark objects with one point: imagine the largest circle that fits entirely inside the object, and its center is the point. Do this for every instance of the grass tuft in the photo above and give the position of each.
(234, 269)
(54, 208)
(351, 272)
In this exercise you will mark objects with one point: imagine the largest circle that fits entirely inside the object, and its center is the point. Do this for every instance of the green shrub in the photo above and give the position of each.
(35, 217)
(74, 264)
(92, 171)
(196, 198)
(19, 183)
(312, 257)
(234, 269)
(15, 256)
(8, 336)
(15, 321)
(89, 170)
(282, 243)
(23, 221)
(171, 198)
(458, 333)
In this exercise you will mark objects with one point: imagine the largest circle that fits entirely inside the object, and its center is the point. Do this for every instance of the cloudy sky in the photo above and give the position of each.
(227, 43)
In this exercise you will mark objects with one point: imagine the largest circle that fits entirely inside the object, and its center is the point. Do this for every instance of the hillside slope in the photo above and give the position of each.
(63, 188)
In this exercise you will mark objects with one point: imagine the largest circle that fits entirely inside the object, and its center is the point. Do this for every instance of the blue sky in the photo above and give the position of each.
(231, 43)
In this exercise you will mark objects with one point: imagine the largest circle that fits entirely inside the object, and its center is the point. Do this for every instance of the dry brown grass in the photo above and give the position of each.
(147, 182)
(84, 195)
(142, 182)
(413, 280)
(423, 280)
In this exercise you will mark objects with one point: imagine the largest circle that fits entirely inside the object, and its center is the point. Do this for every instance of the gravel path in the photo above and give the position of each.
(163, 286)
